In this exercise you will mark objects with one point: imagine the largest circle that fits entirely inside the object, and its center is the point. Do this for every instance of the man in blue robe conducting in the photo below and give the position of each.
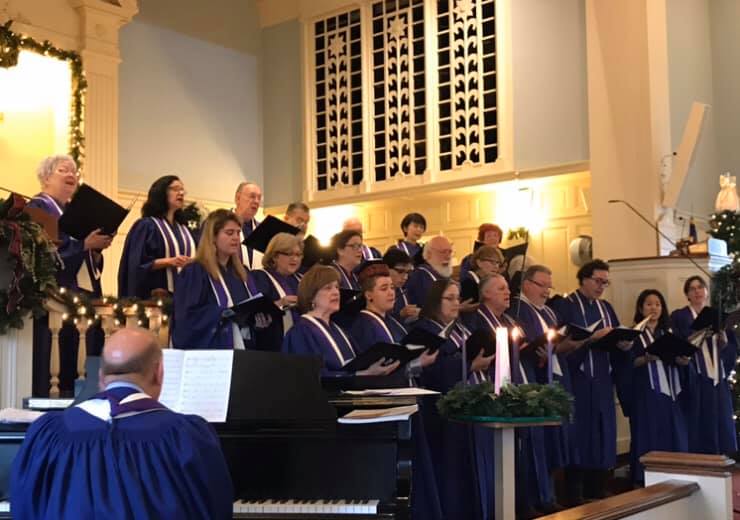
(122, 454)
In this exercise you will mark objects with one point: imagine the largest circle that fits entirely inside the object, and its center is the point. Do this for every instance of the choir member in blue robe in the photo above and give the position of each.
(347, 247)
(437, 266)
(375, 323)
(536, 319)
(247, 200)
(158, 245)
(368, 252)
(593, 437)
(486, 260)
(709, 408)
(488, 235)
(80, 271)
(413, 226)
(207, 288)
(462, 454)
(316, 335)
(400, 266)
(122, 454)
(534, 489)
(657, 420)
(298, 214)
(278, 280)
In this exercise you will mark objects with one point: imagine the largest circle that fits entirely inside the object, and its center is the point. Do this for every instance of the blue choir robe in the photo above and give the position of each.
(465, 265)
(534, 487)
(419, 282)
(402, 300)
(370, 328)
(347, 279)
(275, 286)
(148, 239)
(535, 321)
(657, 421)
(312, 336)
(593, 437)
(462, 454)
(80, 271)
(409, 248)
(709, 406)
(114, 458)
(251, 258)
(199, 304)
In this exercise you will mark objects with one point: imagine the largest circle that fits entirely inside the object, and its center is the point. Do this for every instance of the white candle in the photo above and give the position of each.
(503, 368)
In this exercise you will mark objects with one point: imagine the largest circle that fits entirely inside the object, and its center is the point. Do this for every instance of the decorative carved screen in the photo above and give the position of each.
(389, 101)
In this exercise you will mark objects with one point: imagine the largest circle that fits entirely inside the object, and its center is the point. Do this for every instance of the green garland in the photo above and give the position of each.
(530, 400)
(28, 259)
(12, 43)
(194, 215)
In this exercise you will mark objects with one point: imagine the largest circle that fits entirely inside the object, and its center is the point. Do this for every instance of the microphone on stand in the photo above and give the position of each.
(681, 253)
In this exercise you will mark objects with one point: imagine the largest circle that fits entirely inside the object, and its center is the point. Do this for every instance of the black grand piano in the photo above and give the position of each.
(288, 456)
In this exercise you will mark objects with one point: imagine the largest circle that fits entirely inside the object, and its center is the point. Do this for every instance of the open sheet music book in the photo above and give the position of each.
(397, 413)
(197, 382)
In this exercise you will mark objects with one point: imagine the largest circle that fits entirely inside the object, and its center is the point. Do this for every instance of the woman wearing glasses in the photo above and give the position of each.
(347, 247)
(486, 260)
(462, 454)
(278, 281)
(400, 267)
(81, 270)
(158, 245)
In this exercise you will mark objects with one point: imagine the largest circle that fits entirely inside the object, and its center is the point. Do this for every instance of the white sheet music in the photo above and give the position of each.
(198, 382)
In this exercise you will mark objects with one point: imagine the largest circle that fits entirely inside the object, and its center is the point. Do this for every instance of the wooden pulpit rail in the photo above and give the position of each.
(688, 463)
(630, 503)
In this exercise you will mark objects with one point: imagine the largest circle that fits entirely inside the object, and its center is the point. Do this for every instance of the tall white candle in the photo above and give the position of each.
(503, 367)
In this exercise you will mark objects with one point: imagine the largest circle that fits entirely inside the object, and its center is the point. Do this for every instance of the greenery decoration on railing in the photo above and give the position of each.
(27, 265)
(11, 43)
(530, 400)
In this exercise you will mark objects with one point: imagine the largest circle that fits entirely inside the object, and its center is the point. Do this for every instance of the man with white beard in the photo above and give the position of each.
(437, 266)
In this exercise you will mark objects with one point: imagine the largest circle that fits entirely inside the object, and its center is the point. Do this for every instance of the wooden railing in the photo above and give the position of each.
(630, 503)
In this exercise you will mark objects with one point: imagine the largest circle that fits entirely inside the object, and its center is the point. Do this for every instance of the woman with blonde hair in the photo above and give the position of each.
(207, 288)
(486, 260)
(278, 280)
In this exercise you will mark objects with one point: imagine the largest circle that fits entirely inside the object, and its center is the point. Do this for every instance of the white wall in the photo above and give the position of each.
(190, 108)
(725, 24)
(690, 73)
(549, 74)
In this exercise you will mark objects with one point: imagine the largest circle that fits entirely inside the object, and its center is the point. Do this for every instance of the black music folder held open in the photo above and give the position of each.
(617, 334)
(481, 339)
(579, 333)
(517, 250)
(424, 338)
(708, 318)
(669, 346)
(542, 340)
(246, 310)
(268, 228)
(90, 210)
(390, 351)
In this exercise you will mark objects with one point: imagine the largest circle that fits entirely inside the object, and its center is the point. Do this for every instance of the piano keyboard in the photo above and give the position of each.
(306, 507)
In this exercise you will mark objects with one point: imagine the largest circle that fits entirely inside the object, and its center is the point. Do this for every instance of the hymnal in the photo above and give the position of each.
(246, 310)
(90, 210)
(397, 413)
(669, 346)
(390, 351)
(197, 382)
(481, 339)
(579, 333)
(268, 228)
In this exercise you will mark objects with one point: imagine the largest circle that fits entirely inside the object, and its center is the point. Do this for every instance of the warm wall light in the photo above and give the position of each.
(326, 222)
(516, 206)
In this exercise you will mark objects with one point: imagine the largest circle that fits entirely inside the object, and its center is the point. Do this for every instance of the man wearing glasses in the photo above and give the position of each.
(593, 435)
(437, 266)
(248, 199)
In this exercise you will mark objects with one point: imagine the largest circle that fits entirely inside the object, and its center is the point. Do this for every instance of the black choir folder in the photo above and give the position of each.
(89, 210)
(411, 347)
(617, 334)
(245, 311)
(351, 302)
(481, 339)
(669, 346)
(267, 229)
